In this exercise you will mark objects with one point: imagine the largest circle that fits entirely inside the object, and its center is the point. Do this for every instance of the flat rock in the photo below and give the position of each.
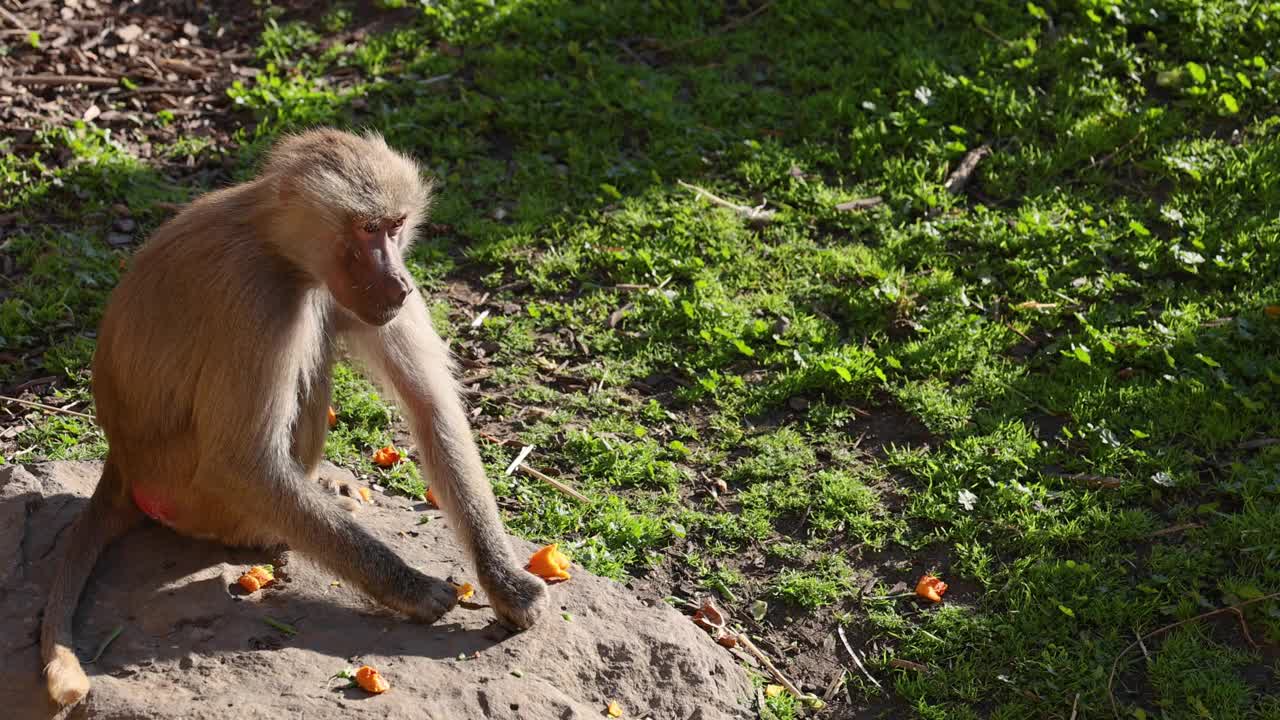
(194, 645)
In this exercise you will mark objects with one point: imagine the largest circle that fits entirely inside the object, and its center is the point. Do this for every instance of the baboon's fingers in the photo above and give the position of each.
(315, 527)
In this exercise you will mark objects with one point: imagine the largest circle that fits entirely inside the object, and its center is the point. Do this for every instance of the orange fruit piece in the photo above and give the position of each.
(258, 577)
(386, 456)
(465, 591)
(549, 564)
(366, 494)
(371, 681)
(333, 417)
(931, 588)
(614, 709)
(431, 498)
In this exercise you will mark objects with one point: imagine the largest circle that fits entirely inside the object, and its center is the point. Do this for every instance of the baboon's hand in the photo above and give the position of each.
(431, 599)
(347, 492)
(518, 597)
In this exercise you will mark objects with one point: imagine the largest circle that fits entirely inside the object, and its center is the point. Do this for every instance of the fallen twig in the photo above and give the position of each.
(963, 173)
(1177, 529)
(46, 408)
(856, 660)
(1034, 305)
(834, 687)
(498, 440)
(616, 316)
(524, 453)
(783, 680)
(13, 19)
(723, 28)
(90, 80)
(1098, 481)
(753, 214)
(865, 203)
(555, 484)
(910, 665)
(1115, 664)
(1258, 444)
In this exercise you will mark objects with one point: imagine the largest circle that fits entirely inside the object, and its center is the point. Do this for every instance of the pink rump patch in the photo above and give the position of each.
(155, 507)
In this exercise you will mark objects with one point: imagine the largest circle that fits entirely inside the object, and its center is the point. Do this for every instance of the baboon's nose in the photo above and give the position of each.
(399, 291)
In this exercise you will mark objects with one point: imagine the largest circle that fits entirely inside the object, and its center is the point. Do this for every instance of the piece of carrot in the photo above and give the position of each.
(549, 564)
(371, 681)
(931, 588)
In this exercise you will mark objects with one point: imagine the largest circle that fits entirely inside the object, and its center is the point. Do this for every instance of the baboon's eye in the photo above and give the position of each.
(372, 226)
(398, 222)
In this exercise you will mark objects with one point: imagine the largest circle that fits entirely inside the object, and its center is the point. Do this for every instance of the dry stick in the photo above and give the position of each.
(854, 655)
(1177, 529)
(723, 28)
(1115, 665)
(960, 177)
(834, 687)
(13, 19)
(1258, 444)
(92, 80)
(754, 214)
(1244, 628)
(1075, 706)
(1142, 645)
(910, 665)
(1097, 481)
(46, 408)
(865, 203)
(773, 669)
(524, 453)
(556, 484)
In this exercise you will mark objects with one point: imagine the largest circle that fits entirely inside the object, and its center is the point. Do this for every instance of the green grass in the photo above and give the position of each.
(915, 387)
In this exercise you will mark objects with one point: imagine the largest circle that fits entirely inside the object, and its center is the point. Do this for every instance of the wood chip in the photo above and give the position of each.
(129, 32)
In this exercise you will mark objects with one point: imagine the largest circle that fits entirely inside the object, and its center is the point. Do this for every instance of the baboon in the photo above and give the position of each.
(212, 381)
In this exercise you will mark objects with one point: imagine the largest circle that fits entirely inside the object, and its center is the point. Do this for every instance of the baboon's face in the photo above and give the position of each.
(368, 276)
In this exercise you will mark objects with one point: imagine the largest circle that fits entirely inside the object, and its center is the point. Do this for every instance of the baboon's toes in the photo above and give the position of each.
(518, 598)
(348, 493)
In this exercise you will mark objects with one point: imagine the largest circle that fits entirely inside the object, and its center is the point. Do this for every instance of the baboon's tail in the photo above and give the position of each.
(109, 515)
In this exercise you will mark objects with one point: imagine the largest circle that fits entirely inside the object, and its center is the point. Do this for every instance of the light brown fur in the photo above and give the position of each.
(212, 378)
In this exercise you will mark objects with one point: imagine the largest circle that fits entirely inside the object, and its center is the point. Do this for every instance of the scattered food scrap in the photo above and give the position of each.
(465, 591)
(431, 498)
(931, 588)
(371, 680)
(366, 494)
(333, 417)
(614, 709)
(710, 618)
(549, 564)
(386, 456)
(258, 577)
